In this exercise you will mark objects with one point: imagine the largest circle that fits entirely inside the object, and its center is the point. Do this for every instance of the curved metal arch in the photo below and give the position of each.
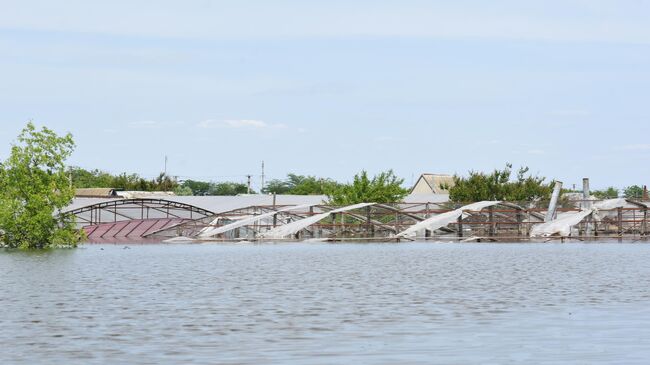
(113, 207)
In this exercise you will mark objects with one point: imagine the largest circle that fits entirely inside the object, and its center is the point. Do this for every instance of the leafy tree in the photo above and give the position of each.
(90, 179)
(228, 188)
(183, 191)
(277, 186)
(300, 185)
(34, 189)
(633, 192)
(382, 188)
(609, 193)
(498, 186)
(209, 188)
(197, 187)
(99, 179)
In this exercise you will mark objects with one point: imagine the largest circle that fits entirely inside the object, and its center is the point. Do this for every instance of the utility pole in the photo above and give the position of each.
(262, 187)
(249, 184)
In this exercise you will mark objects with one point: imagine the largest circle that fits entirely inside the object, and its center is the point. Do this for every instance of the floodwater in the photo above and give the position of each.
(418, 303)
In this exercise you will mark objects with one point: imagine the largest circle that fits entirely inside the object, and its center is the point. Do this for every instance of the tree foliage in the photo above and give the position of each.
(382, 188)
(300, 185)
(34, 189)
(193, 187)
(82, 178)
(498, 185)
(633, 192)
(608, 193)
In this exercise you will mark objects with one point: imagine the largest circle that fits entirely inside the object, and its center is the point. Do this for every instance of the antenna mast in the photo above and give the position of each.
(262, 187)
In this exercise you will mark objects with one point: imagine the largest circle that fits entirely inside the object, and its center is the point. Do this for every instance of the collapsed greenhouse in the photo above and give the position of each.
(265, 218)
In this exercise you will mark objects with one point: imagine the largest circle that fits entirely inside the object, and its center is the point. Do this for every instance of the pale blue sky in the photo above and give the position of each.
(329, 88)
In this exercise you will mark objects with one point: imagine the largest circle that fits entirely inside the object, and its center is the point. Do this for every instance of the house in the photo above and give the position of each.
(433, 184)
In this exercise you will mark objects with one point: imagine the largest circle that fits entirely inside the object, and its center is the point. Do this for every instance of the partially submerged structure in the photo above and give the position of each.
(292, 217)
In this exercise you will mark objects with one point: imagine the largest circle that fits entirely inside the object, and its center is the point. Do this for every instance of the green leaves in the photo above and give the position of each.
(300, 185)
(633, 192)
(382, 188)
(99, 179)
(35, 189)
(498, 186)
(608, 193)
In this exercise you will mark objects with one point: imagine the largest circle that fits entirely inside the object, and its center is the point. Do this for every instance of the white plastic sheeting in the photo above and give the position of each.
(564, 222)
(610, 203)
(561, 225)
(294, 227)
(442, 220)
(213, 231)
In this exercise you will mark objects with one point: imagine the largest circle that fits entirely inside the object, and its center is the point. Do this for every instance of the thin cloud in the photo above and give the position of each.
(144, 124)
(536, 152)
(637, 147)
(151, 124)
(240, 124)
(571, 113)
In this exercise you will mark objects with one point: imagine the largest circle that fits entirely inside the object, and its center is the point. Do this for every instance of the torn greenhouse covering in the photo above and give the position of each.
(444, 219)
(213, 231)
(295, 227)
(564, 222)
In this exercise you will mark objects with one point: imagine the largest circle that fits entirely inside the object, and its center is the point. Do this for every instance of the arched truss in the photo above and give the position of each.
(379, 220)
(119, 210)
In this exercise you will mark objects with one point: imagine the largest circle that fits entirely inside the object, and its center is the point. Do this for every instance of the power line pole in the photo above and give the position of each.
(262, 187)
(249, 184)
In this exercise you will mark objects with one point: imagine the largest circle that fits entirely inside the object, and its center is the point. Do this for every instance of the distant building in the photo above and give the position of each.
(144, 194)
(433, 184)
(120, 194)
(96, 193)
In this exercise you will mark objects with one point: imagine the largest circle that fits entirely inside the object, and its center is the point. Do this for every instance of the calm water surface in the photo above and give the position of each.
(327, 304)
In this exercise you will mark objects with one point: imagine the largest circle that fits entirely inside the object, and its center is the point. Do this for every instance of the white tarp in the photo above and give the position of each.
(213, 231)
(561, 225)
(294, 227)
(564, 222)
(442, 220)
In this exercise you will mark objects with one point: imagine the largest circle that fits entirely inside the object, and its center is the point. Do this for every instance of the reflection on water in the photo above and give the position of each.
(323, 304)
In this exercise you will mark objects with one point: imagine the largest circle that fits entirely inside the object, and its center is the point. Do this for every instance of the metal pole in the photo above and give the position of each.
(552, 206)
(491, 227)
(262, 187)
(586, 195)
(586, 204)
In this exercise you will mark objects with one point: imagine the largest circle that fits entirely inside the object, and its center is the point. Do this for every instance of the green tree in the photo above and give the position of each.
(228, 188)
(497, 185)
(34, 189)
(633, 192)
(198, 188)
(382, 188)
(99, 179)
(183, 190)
(300, 185)
(608, 193)
(277, 186)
